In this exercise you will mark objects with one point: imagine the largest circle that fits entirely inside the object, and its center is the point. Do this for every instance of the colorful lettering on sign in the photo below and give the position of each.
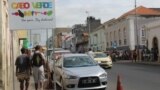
(20, 5)
(35, 5)
(32, 13)
(40, 5)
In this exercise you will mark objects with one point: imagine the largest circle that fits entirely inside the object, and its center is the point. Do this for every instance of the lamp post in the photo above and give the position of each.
(89, 28)
(136, 29)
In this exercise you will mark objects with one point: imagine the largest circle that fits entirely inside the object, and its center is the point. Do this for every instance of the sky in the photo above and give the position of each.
(70, 12)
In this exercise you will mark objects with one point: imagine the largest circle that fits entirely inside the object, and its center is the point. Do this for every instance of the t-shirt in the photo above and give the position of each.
(23, 63)
(91, 54)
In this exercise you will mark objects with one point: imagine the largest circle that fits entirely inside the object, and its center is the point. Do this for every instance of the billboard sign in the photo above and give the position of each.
(31, 14)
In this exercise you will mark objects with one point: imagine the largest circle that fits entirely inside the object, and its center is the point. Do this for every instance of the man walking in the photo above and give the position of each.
(23, 69)
(91, 53)
(38, 63)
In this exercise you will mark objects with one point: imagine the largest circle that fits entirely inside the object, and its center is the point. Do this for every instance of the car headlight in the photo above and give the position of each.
(70, 77)
(104, 75)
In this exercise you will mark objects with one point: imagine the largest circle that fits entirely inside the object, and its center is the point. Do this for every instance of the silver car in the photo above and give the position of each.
(80, 72)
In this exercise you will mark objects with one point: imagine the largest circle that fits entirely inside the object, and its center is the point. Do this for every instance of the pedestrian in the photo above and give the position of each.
(38, 63)
(91, 53)
(135, 55)
(23, 69)
(29, 53)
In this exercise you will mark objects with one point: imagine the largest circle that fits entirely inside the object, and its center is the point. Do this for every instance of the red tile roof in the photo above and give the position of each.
(141, 10)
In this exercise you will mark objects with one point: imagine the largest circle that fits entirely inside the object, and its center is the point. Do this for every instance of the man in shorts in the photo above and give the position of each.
(38, 63)
(23, 69)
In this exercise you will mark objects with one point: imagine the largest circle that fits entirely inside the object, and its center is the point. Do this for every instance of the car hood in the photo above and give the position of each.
(85, 71)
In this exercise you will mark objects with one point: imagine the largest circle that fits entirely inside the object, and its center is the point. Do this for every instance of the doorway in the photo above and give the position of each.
(155, 48)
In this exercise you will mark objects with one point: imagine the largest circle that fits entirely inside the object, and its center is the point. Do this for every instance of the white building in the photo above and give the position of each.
(151, 33)
(124, 33)
(98, 38)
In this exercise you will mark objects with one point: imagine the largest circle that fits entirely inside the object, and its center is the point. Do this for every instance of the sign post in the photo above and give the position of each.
(32, 15)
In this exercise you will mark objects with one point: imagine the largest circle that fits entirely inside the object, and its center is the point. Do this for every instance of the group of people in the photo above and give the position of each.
(28, 64)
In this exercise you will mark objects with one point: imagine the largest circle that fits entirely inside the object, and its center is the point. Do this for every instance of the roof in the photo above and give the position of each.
(71, 55)
(141, 10)
(158, 9)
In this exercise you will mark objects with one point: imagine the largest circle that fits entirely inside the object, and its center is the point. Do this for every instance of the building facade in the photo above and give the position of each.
(59, 37)
(82, 32)
(8, 50)
(80, 41)
(124, 33)
(98, 39)
(151, 37)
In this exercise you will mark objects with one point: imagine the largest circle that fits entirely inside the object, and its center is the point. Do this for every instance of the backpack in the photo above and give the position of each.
(37, 60)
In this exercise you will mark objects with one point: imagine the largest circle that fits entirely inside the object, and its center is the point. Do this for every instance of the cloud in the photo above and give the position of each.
(70, 12)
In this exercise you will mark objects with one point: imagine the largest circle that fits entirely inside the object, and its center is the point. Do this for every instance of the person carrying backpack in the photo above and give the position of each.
(38, 64)
(23, 69)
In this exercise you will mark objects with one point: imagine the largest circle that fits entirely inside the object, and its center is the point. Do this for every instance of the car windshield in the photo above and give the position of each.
(78, 61)
(100, 55)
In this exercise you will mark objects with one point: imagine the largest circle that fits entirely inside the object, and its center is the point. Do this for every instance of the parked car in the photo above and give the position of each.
(80, 72)
(104, 60)
(54, 56)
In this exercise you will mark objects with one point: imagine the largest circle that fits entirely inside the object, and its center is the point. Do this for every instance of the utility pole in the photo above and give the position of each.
(136, 29)
(89, 28)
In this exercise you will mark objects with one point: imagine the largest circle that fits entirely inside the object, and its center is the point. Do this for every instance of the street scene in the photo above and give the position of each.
(79, 45)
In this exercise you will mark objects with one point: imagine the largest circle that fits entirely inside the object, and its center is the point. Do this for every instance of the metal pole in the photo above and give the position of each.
(53, 31)
(89, 33)
(136, 28)
(12, 48)
(89, 29)
(30, 37)
(47, 43)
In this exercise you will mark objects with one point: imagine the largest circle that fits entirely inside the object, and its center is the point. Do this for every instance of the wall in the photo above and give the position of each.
(6, 59)
(153, 30)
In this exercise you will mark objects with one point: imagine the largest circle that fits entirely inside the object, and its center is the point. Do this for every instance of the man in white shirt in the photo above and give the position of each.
(90, 53)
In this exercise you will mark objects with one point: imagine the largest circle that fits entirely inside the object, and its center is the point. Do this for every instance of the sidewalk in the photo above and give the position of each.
(31, 85)
(139, 62)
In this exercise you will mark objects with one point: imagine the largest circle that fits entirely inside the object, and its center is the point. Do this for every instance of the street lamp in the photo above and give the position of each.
(136, 28)
(89, 28)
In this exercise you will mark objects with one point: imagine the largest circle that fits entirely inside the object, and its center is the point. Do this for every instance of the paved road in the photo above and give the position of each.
(134, 76)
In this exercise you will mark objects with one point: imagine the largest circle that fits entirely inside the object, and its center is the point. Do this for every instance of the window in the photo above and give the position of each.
(119, 33)
(119, 36)
(107, 44)
(120, 42)
(124, 32)
(114, 35)
(107, 37)
(125, 41)
(110, 35)
(143, 33)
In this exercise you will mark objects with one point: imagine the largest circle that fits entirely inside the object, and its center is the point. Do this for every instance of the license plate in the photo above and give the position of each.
(89, 81)
(103, 61)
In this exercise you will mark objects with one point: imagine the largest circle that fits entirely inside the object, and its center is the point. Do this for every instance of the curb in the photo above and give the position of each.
(139, 62)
